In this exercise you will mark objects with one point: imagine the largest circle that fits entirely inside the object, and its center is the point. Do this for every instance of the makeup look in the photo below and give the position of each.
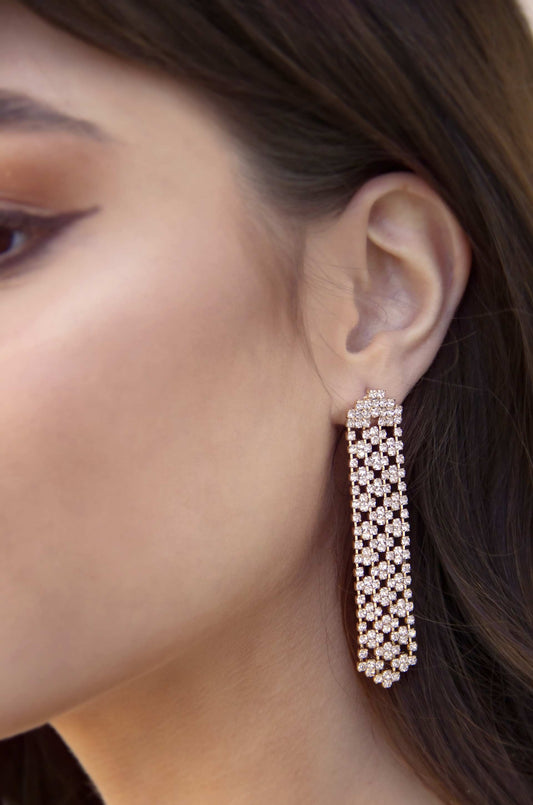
(166, 485)
(150, 386)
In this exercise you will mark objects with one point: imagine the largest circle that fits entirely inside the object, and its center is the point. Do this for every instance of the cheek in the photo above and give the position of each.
(137, 410)
(130, 372)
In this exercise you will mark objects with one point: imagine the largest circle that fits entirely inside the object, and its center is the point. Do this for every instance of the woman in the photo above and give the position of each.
(222, 224)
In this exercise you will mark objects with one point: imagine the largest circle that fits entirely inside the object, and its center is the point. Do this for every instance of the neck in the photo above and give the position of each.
(269, 710)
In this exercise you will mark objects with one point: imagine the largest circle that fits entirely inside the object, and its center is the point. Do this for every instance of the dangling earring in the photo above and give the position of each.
(385, 621)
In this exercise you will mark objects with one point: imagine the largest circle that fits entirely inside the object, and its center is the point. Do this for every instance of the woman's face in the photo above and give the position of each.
(160, 461)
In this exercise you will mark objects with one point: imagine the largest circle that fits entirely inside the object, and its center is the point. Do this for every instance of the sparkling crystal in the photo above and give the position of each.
(377, 458)
(381, 543)
(399, 581)
(393, 474)
(384, 596)
(400, 608)
(381, 570)
(396, 555)
(387, 651)
(365, 502)
(402, 634)
(372, 434)
(370, 669)
(379, 515)
(396, 526)
(401, 662)
(377, 487)
(371, 638)
(367, 612)
(391, 446)
(394, 500)
(368, 556)
(374, 460)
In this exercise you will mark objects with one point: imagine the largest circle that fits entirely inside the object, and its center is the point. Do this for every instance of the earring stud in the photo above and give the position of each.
(385, 620)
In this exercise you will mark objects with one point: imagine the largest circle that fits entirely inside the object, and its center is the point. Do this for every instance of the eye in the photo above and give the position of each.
(24, 235)
(10, 239)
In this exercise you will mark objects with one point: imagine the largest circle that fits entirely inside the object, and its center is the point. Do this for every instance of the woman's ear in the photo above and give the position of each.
(381, 284)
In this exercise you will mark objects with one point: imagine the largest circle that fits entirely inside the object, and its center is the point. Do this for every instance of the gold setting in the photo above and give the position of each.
(381, 556)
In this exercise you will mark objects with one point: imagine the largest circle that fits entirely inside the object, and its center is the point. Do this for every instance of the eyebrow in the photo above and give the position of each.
(20, 112)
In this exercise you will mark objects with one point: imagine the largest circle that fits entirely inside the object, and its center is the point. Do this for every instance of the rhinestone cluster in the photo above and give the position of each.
(385, 623)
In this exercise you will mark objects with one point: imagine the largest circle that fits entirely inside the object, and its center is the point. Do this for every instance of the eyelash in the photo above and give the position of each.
(40, 229)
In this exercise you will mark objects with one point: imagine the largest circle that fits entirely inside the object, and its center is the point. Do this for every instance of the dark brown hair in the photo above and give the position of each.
(323, 95)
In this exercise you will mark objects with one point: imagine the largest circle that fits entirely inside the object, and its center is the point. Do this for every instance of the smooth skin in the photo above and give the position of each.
(168, 577)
